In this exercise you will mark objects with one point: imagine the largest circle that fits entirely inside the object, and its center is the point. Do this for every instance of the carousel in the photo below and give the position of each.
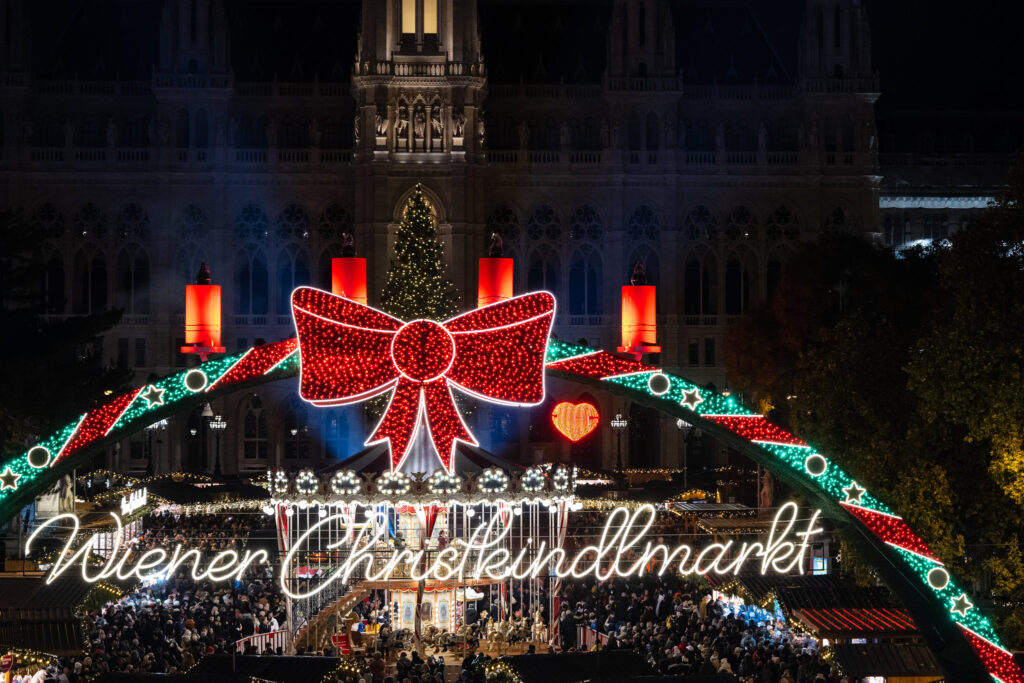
(385, 528)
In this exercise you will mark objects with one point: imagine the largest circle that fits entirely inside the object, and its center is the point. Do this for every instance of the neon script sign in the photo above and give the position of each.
(622, 549)
(133, 501)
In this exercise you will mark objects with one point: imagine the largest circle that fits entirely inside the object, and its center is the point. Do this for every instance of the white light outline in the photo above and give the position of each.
(192, 373)
(807, 468)
(28, 457)
(7, 473)
(569, 358)
(606, 378)
(306, 476)
(987, 640)
(451, 361)
(533, 469)
(159, 401)
(496, 475)
(968, 605)
(667, 379)
(695, 391)
(276, 365)
(945, 575)
(352, 480)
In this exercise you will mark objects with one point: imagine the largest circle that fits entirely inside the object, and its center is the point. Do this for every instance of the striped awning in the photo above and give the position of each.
(847, 622)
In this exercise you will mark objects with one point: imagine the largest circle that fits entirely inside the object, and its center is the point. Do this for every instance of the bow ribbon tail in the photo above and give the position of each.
(400, 419)
(446, 424)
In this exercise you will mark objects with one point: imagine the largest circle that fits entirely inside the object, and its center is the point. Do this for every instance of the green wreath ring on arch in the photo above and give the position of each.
(963, 639)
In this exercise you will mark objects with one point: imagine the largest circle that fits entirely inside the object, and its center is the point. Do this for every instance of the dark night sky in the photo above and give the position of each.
(966, 55)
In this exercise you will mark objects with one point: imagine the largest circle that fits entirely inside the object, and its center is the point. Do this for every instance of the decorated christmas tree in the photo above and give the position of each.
(417, 286)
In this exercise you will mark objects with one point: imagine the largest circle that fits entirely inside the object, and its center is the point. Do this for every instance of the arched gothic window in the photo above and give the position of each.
(254, 430)
(132, 222)
(699, 282)
(740, 281)
(89, 283)
(585, 224)
(292, 272)
(53, 283)
(293, 223)
(504, 221)
(741, 225)
(335, 221)
(839, 222)
(335, 431)
(643, 224)
(182, 129)
(192, 222)
(48, 222)
(133, 281)
(90, 222)
(545, 270)
(202, 129)
(701, 224)
(653, 131)
(251, 282)
(544, 222)
(296, 432)
(585, 282)
(782, 224)
(251, 223)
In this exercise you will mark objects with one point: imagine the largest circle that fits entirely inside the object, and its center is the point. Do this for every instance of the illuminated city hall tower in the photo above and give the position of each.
(419, 82)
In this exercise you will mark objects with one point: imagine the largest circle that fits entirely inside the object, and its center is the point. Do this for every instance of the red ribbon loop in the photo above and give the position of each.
(350, 352)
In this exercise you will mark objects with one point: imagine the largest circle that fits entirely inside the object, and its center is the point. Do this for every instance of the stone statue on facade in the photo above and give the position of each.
(720, 137)
(524, 135)
(315, 134)
(458, 123)
(563, 135)
(403, 120)
(762, 137)
(682, 135)
(271, 133)
(765, 493)
(419, 124)
(670, 131)
(436, 120)
(497, 246)
(481, 130)
(220, 138)
(606, 134)
(111, 133)
(381, 121)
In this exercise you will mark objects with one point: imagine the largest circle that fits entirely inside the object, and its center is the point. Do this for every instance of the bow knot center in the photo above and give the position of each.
(423, 350)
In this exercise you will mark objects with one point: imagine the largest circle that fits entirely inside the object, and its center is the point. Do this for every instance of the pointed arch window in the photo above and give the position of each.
(293, 223)
(89, 283)
(544, 222)
(740, 281)
(251, 282)
(544, 272)
(335, 434)
(255, 445)
(586, 224)
(585, 283)
(701, 224)
(133, 281)
(741, 225)
(292, 272)
(643, 224)
(252, 223)
(699, 278)
(296, 432)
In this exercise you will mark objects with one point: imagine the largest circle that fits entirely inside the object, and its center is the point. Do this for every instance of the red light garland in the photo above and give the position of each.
(97, 423)
(600, 365)
(892, 530)
(575, 420)
(996, 660)
(257, 361)
(350, 352)
(756, 428)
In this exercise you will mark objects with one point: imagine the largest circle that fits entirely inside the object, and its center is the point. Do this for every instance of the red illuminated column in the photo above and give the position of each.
(494, 283)
(348, 278)
(639, 324)
(202, 319)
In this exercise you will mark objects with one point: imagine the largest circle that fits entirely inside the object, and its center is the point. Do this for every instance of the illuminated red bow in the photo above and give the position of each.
(351, 352)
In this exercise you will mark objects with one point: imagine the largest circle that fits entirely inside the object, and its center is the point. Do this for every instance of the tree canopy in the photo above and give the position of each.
(907, 368)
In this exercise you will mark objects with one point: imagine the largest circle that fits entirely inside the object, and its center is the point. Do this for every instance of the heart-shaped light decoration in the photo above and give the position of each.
(575, 420)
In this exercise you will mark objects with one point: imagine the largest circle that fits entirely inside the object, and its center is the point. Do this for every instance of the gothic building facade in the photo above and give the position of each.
(699, 139)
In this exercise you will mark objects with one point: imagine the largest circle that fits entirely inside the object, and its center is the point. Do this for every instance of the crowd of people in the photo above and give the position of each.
(167, 627)
(680, 629)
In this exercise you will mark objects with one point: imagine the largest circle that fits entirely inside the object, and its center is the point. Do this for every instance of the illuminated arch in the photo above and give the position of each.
(962, 638)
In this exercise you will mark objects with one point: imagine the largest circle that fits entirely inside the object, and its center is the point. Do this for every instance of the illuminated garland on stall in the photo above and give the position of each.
(132, 411)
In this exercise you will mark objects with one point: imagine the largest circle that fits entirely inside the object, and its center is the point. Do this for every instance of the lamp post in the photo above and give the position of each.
(618, 424)
(159, 425)
(686, 429)
(218, 424)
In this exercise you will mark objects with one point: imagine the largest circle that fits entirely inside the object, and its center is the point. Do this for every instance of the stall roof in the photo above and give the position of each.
(852, 622)
(885, 659)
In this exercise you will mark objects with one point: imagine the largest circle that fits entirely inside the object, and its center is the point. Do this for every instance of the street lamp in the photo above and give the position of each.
(686, 429)
(159, 425)
(218, 424)
(619, 425)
